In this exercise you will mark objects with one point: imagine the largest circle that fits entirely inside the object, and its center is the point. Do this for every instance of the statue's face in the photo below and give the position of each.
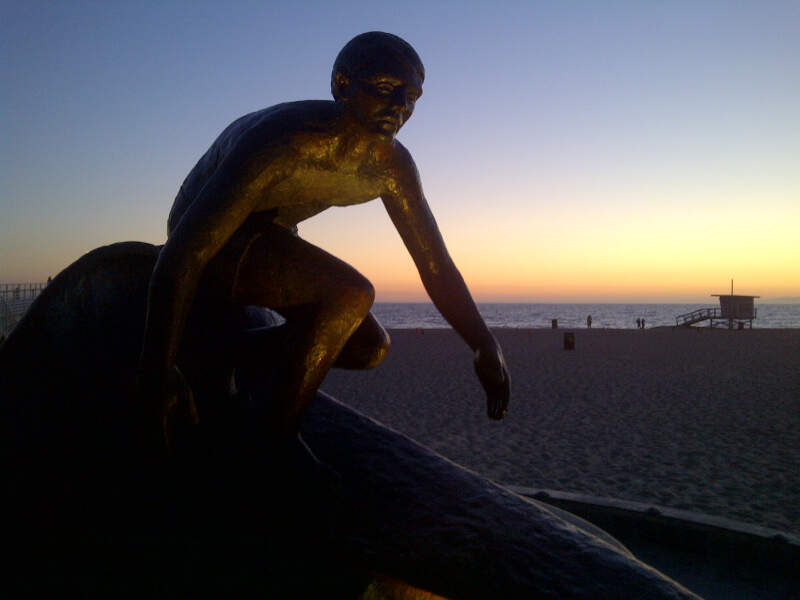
(382, 97)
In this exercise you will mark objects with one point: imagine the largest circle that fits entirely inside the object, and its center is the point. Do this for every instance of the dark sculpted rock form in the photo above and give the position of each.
(441, 527)
(222, 514)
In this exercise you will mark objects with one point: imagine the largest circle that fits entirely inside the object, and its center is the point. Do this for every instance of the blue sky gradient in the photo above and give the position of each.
(569, 150)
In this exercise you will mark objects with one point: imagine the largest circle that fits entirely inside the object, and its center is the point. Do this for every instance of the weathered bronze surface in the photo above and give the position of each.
(232, 238)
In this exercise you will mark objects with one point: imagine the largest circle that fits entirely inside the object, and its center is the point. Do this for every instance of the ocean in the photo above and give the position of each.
(414, 315)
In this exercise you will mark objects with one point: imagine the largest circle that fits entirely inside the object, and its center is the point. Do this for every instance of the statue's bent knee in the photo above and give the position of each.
(377, 352)
(366, 292)
(357, 355)
(356, 296)
(367, 347)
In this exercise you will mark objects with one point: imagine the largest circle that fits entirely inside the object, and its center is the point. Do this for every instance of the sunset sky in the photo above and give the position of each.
(570, 151)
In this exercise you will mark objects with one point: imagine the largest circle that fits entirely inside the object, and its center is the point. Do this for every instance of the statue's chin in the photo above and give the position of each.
(387, 129)
(386, 136)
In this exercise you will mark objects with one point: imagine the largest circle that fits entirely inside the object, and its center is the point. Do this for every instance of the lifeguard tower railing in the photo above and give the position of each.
(701, 314)
(15, 298)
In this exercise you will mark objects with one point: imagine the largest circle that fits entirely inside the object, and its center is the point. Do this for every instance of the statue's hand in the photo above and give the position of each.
(163, 401)
(493, 375)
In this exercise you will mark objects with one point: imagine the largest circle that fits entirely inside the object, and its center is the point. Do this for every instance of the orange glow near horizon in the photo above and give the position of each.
(556, 258)
(546, 254)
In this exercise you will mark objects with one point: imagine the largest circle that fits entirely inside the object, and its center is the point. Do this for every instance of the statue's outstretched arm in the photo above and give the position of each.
(412, 217)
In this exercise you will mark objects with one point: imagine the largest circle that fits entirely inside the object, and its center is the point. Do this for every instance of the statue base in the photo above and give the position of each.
(228, 512)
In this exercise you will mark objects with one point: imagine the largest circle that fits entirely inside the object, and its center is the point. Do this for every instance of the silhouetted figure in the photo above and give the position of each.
(589, 321)
(638, 323)
(642, 323)
(232, 236)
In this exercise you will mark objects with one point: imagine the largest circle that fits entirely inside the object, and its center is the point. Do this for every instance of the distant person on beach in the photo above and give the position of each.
(232, 233)
(589, 321)
(638, 323)
(642, 323)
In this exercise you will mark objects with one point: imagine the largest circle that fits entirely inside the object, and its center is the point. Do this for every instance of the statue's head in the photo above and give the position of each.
(378, 76)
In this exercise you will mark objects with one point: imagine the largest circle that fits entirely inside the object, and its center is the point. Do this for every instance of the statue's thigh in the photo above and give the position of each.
(281, 271)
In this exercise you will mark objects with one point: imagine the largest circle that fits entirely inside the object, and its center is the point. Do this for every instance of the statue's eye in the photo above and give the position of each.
(385, 88)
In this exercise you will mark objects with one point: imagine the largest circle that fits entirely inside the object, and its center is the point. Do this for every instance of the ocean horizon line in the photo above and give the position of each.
(773, 301)
(601, 315)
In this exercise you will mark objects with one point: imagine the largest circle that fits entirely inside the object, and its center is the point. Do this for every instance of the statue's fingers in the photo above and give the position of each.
(496, 411)
(181, 404)
(188, 409)
(491, 412)
(506, 397)
(499, 401)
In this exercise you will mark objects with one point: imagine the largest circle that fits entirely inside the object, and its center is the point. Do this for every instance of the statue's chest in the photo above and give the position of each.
(325, 186)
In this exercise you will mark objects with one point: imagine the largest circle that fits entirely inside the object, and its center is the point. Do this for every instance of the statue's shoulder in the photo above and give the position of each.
(284, 120)
(402, 165)
(401, 154)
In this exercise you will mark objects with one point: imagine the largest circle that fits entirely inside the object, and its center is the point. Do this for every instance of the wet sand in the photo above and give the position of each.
(706, 420)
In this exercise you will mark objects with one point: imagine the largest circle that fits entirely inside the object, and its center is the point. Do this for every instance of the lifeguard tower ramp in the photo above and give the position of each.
(739, 310)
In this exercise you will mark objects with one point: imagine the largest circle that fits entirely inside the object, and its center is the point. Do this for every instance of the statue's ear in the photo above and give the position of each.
(340, 85)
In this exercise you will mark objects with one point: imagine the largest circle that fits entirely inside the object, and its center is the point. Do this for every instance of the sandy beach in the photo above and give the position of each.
(701, 420)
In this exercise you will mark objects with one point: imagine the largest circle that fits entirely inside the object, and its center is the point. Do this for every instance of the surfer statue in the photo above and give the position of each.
(232, 237)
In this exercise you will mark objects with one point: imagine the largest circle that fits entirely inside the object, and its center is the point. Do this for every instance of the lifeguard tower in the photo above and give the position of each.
(733, 309)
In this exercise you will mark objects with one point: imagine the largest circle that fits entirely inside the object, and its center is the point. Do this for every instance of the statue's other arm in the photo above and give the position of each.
(221, 207)
(409, 211)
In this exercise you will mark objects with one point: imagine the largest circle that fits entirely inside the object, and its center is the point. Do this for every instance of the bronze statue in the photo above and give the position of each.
(232, 236)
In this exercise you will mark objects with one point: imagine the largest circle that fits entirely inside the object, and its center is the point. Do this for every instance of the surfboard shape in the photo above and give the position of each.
(424, 519)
